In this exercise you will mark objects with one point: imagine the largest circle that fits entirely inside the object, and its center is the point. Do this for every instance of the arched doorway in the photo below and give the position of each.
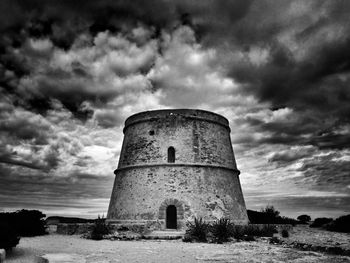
(171, 217)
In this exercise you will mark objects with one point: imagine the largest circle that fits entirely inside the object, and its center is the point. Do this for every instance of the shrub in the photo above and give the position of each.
(248, 238)
(222, 230)
(25, 222)
(196, 231)
(270, 211)
(275, 240)
(285, 233)
(286, 220)
(304, 218)
(99, 229)
(30, 223)
(321, 221)
(240, 232)
(8, 237)
(264, 231)
(269, 215)
(69, 220)
(341, 224)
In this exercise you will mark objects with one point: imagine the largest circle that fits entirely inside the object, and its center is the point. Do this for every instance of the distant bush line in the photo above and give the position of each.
(69, 220)
(269, 215)
(341, 224)
(321, 221)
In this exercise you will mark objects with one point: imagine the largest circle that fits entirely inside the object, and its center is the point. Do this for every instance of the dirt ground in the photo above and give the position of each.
(107, 251)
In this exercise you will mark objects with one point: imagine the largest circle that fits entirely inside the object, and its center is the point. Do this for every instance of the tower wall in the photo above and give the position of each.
(203, 181)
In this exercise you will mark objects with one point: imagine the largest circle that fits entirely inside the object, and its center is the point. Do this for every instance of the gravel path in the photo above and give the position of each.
(106, 251)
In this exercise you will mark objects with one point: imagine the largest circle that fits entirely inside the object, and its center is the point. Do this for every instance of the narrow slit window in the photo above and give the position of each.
(171, 155)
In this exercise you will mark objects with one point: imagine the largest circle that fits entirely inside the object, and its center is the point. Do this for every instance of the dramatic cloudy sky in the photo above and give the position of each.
(71, 71)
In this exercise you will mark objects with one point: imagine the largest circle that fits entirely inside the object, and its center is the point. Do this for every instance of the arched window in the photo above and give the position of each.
(171, 155)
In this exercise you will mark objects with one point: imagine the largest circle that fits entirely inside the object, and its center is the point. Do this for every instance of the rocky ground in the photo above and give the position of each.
(317, 237)
(107, 251)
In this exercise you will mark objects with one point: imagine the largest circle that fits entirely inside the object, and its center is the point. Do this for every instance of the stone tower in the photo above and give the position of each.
(176, 165)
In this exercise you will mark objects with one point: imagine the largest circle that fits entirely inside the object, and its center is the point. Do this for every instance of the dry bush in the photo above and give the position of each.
(222, 230)
(196, 231)
(99, 229)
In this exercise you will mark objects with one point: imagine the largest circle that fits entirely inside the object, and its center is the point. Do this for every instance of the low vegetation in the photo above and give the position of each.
(8, 237)
(241, 232)
(269, 215)
(262, 225)
(68, 220)
(341, 224)
(99, 229)
(26, 223)
(321, 221)
(304, 219)
(223, 230)
(284, 233)
(196, 231)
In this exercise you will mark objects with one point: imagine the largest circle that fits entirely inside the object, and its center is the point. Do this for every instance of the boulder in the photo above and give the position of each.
(2, 255)
(61, 258)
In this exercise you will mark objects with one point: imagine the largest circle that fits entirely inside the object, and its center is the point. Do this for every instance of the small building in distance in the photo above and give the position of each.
(176, 165)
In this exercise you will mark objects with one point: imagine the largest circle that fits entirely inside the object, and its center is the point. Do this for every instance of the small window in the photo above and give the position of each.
(151, 132)
(171, 155)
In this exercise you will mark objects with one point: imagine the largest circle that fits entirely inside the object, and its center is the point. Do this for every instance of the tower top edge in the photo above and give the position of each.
(191, 113)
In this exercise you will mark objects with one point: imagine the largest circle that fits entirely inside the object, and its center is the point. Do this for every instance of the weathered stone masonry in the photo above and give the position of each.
(176, 165)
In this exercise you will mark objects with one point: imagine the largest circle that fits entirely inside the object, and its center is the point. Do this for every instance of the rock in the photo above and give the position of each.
(314, 248)
(335, 250)
(275, 240)
(73, 229)
(2, 255)
(61, 258)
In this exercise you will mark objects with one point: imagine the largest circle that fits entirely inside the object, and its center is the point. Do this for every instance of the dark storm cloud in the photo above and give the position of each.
(157, 12)
(290, 155)
(331, 140)
(325, 131)
(7, 159)
(327, 172)
(309, 82)
(306, 66)
(24, 126)
(33, 187)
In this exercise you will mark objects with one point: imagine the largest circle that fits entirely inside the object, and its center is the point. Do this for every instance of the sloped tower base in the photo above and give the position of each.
(176, 165)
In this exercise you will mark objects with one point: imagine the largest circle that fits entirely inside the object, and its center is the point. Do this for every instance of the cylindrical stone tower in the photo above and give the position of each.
(176, 165)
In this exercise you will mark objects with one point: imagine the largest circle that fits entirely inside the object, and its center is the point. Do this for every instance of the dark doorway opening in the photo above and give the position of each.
(171, 217)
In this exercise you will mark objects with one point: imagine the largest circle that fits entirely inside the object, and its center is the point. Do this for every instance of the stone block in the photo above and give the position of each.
(2, 255)
(60, 258)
